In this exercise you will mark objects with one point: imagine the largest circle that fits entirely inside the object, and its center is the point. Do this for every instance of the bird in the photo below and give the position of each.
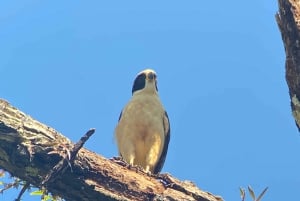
(143, 130)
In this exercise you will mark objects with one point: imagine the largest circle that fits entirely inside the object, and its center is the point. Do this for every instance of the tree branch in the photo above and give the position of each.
(29, 150)
(288, 20)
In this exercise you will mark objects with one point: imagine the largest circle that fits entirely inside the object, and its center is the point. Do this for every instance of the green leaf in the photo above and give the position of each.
(251, 193)
(243, 194)
(47, 197)
(262, 194)
(38, 192)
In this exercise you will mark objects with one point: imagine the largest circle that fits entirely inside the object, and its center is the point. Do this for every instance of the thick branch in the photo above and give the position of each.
(29, 150)
(288, 20)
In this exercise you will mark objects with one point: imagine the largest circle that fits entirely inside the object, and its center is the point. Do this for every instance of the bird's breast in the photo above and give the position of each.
(141, 118)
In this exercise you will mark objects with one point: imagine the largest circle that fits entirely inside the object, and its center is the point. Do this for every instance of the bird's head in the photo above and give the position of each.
(145, 81)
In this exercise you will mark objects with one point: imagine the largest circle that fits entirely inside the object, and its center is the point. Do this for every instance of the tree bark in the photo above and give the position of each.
(288, 20)
(29, 150)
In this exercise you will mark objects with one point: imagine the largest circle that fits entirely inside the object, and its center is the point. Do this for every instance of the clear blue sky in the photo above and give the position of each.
(221, 78)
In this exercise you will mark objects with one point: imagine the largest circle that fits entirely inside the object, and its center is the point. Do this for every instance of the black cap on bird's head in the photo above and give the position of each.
(145, 78)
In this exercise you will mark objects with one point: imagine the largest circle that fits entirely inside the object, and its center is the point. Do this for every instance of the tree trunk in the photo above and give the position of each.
(29, 150)
(288, 20)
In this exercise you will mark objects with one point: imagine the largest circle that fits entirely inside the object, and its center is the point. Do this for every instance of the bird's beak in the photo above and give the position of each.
(151, 76)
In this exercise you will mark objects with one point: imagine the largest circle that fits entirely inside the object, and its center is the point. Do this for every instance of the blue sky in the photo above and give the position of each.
(221, 78)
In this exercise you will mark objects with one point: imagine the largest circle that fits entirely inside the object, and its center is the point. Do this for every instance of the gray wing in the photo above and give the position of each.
(162, 158)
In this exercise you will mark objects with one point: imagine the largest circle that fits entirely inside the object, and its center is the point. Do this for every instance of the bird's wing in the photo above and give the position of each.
(120, 115)
(118, 121)
(163, 155)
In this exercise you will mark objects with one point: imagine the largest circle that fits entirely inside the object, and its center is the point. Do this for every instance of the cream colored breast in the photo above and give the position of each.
(141, 117)
(145, 110)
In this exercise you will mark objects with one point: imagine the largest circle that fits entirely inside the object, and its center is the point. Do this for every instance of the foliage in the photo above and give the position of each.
(16, 183)
(45, 196)
(252, 194)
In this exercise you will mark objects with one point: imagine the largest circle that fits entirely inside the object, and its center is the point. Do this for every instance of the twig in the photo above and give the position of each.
(10, 185)
(62, 165)
(80, 143)
(26, 186)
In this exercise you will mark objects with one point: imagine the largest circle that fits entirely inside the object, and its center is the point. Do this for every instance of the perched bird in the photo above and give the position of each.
(143, 130)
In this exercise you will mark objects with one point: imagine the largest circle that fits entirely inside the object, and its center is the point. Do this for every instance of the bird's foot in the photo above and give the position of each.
(119, 160)
(137, 168)
(150, 174)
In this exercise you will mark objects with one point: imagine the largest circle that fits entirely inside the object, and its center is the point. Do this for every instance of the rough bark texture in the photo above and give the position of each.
(288, 20)
(30, 149)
